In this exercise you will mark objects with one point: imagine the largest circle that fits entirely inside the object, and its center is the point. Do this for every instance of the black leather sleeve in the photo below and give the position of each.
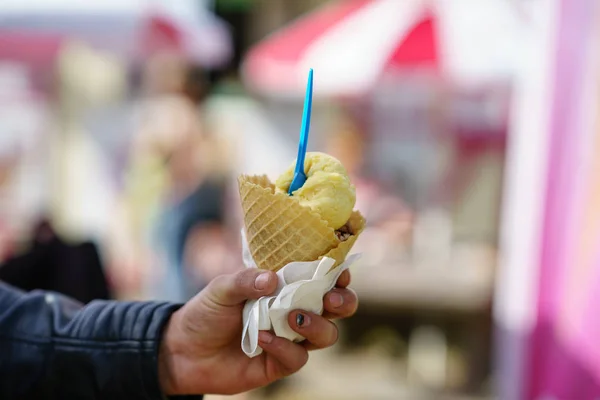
(52, 347)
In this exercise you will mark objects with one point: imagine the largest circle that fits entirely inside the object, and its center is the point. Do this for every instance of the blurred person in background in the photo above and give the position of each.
(193, 204)
(176, 180)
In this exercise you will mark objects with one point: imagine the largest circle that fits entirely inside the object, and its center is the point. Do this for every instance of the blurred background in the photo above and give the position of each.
(468, 127)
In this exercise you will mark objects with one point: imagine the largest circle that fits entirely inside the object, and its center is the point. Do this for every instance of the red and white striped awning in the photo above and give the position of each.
(351, 43)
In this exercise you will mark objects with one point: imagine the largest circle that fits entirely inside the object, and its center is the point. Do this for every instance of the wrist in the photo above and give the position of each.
(167, 357)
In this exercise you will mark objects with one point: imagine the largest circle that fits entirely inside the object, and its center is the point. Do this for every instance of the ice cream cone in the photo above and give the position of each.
(279, 230)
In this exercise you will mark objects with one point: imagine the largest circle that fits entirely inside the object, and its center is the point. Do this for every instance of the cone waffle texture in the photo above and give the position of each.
(279, 230)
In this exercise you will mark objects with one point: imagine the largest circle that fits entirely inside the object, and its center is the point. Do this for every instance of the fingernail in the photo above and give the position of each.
(302, 320)
(336, 299)
(261, 281)
(265, 337)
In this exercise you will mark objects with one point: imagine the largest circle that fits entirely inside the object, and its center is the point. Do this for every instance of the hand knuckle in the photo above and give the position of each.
(303, 359)
(352, 301)
(335, 334)
(347, 276)
(244, 279)
(299, 361)
(325, 336)
(217, 283)
(239, 280)
(295, 363)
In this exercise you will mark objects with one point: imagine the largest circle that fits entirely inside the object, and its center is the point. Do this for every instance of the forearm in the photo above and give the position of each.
(52, 347)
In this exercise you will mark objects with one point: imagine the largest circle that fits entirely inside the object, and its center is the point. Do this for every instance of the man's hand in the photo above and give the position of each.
(201, 350)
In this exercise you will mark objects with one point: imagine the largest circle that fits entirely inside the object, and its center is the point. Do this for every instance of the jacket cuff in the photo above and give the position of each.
(151, 381)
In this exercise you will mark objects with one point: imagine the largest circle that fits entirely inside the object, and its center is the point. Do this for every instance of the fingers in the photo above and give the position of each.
(318, 331)
(340, 303)
(234, 289)
(344, 279)
(283, 356)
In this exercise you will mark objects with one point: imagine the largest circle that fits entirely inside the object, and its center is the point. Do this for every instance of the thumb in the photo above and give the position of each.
(234, 289)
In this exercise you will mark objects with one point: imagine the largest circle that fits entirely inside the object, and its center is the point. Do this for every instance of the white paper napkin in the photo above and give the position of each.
(301, 286)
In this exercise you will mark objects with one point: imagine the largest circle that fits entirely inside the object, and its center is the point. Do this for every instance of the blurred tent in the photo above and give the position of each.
(132, 29)
(352, 43)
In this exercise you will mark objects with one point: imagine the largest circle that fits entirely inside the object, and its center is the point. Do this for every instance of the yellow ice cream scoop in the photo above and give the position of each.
(327, 190)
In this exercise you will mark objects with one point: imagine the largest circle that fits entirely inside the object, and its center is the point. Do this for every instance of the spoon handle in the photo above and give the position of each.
(305, 124)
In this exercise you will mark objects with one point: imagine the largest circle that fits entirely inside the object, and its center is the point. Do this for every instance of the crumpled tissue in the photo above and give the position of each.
(301, 286)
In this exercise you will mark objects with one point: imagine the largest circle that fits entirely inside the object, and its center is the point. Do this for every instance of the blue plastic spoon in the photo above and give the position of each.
(299, 175)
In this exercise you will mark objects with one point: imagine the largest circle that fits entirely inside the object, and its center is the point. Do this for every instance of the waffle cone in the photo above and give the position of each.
(279, 230)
